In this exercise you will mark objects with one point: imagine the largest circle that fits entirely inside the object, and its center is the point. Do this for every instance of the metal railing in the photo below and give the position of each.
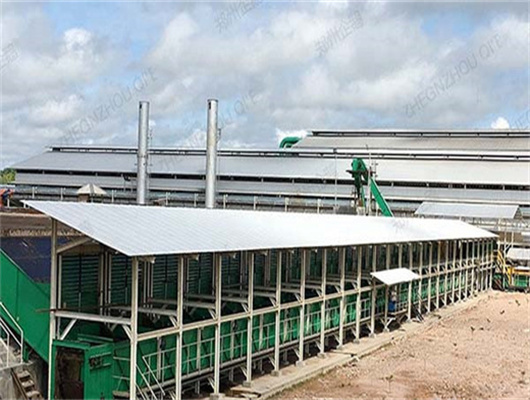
(11, 346)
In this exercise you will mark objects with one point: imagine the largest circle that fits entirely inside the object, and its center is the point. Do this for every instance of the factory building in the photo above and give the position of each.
(479, 167)
(152, 302)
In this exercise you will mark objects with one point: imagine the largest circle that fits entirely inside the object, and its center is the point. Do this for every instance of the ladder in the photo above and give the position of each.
(26, 385)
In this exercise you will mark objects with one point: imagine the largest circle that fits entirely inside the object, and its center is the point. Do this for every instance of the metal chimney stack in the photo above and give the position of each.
(211, 153)
(143, 153)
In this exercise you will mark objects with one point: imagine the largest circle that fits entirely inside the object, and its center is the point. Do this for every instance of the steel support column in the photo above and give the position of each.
(217, 341)
(53, 308)
(324, 272)
(182, 263)
(429, 284)
(250, 305)
(453, 274)
(374, 292)
(134, 328)
(277, 325)
(438, 259)
(306, 256)
(342, 307)
(409, 305)
(358, 299)
(387, 266)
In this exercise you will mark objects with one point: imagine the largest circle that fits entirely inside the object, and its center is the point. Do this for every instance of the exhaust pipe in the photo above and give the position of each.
(143, 153)
(211, 154)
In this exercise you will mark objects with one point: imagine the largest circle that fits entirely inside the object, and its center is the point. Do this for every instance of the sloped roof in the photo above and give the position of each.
(143, 231)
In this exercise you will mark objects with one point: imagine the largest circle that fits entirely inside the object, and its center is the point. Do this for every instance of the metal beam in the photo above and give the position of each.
(93, 317)
(72, 244)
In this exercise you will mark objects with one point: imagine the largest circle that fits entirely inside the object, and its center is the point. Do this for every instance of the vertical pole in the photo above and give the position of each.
(438, 258)
(250, 304)
(134, 328)
(277, 325)
(420, 284)
(53, 307)
(446, 272)
(473, 268)
(143, 140)
(358, 303)
(342, 309)
(374, 292)
(453, 275)
(211, 153)
(387, 266)
(181, 263)
(324, 271)
(467, 270)
(429, 284)
(409, 309)
(460, 266)
(217, 345)
(305, 260)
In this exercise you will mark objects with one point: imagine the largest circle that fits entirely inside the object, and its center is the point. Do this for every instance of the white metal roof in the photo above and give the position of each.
(142, 231)
(286, 167)
(492, 211)
(395, 275)
(518, 253)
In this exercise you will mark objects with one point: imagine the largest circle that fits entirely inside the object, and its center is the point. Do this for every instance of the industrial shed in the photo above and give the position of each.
(184, 299)
(303, 179)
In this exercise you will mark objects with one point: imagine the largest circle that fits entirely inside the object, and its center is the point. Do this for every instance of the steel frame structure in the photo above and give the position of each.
(300, 292)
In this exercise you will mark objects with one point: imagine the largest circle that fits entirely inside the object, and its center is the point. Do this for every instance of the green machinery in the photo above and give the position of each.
(93, 361)
(363, 176)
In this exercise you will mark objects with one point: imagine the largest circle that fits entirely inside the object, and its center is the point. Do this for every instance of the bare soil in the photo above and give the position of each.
(482, 352)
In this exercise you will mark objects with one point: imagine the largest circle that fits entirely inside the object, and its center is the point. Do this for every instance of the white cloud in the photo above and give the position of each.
(500, 123)
(267, 60)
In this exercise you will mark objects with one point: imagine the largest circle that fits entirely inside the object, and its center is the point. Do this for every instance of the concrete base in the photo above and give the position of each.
(322, 355)
(247, 384)
(356, 341)
(276, 374)
(217, 396)
(300, 364)
(371, 335)
(386, 330)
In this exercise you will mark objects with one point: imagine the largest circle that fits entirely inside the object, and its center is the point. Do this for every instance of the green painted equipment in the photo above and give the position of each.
(289, 141)
(28, 302)
(363, 176)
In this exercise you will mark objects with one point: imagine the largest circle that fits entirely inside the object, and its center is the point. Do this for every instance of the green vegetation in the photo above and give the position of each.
(7, 176)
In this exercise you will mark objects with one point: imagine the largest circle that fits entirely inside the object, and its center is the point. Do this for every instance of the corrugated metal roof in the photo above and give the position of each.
(518, 253)
(286, 189)
(288, 167)
(462, 210)
(394, 276)
(416, 142)
(141, 231)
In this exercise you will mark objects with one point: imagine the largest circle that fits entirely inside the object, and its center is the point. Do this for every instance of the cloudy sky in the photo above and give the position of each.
(73, 72)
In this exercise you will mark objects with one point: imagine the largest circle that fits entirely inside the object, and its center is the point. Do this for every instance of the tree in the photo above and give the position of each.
(7, 176)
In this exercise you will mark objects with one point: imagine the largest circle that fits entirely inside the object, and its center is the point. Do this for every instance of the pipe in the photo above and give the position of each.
(211, 153)
(143, 153)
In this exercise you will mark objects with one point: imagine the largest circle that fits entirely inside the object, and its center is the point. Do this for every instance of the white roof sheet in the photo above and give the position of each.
(139, 230)
(518, 253)
(495, 211)
(395, 276)
(308, 167)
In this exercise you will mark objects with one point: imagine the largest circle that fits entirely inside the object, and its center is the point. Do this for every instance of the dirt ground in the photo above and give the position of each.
(481, 353)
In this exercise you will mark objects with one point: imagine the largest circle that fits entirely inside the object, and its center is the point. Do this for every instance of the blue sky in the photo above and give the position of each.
(277, 69)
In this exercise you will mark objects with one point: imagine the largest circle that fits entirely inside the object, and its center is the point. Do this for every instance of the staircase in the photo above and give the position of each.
(25, 385)
(11, 345)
